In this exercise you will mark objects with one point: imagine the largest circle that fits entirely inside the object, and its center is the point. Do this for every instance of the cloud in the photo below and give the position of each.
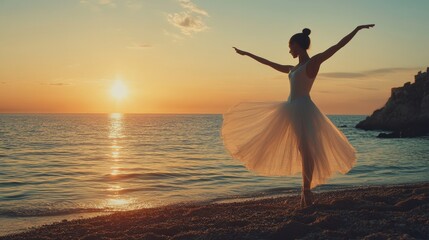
(105, 2)
(341, 75)
(139, 46)
(382, 71)
(367, 88)
(362, 74)
(95, 4)
(367, 73)
(324, 91)
(59, 84)
(188, 5)
(189, 21)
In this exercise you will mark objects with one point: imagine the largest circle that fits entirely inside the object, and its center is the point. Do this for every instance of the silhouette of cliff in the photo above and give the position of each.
(406, 113)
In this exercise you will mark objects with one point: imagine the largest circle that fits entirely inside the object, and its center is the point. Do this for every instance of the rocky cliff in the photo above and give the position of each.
(406, 113)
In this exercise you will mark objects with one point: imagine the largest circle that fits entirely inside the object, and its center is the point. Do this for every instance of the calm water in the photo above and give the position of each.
(56, 165)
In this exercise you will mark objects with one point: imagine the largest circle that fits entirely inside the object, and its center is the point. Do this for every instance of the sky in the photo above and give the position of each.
(176, 56)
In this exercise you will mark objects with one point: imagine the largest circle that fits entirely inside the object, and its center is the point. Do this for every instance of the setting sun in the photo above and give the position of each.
(119, 90)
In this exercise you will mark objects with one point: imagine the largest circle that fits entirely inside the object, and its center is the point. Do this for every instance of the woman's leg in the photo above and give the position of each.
(307, 176)
(307, 172)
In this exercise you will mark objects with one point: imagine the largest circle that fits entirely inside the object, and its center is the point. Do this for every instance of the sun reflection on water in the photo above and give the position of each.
(115, 147)
(114, 172)
(118, 203)
(115, 126)
(115, 188)
(114, 199)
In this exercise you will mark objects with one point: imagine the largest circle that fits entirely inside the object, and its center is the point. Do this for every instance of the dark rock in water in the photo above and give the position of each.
(406, 112)
(343, 126)
(389, 135)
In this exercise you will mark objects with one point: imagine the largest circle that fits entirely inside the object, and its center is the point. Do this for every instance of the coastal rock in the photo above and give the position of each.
(406, 113)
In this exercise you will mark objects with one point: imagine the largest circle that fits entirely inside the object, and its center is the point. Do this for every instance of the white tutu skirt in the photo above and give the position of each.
(274, 138)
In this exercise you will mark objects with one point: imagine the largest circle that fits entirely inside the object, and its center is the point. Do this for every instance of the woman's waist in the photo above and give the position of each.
(293, 97)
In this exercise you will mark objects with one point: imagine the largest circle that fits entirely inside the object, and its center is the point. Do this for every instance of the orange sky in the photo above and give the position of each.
(176, 56)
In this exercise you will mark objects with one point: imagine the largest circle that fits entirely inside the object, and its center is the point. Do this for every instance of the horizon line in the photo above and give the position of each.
(152, 113)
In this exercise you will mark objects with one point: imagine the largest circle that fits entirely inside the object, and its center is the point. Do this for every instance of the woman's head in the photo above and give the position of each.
(299, 42)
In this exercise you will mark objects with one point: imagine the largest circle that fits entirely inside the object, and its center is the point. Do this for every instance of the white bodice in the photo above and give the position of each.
(300, 83)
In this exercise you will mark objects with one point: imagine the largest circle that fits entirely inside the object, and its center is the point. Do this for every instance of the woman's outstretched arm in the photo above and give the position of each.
(276, 66)
(318, 59)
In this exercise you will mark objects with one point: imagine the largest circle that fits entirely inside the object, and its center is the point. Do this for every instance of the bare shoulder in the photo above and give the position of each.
(316, 59)
(313, 66)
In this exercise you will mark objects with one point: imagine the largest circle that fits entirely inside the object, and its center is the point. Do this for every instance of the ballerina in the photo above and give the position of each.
(286, 137)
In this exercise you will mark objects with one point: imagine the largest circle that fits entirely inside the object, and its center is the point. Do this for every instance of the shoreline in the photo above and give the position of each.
(373, 212)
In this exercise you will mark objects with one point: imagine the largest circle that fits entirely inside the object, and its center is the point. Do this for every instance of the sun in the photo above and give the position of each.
(119, 90)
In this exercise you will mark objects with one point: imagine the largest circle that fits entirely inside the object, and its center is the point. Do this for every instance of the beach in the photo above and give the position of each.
(376, 212)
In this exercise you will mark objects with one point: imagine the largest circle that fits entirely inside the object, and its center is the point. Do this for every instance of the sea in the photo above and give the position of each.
(56, 167)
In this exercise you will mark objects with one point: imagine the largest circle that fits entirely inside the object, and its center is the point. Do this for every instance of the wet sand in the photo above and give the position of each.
(382, 212)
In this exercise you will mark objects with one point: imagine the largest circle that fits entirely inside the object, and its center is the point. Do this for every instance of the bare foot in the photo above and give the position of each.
(306, 198)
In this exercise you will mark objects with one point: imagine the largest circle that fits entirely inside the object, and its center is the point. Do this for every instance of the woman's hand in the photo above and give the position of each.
(241, 52)
(364, 26)
(276, 66)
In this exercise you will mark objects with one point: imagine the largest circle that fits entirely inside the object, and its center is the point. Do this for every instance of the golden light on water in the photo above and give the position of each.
(114, 200)
(114, 172)
(115, 155)
(119, 91)
(115, 132)
(116, 116)
(115, 147)
(118, 202)
(115, 188)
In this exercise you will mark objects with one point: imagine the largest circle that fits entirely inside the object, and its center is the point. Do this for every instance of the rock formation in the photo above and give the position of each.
(406, 113)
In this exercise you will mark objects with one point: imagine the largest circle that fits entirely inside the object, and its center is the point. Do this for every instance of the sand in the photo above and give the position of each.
(382, 212)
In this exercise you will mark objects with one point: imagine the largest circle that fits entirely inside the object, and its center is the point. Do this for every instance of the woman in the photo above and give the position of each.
(284, 138)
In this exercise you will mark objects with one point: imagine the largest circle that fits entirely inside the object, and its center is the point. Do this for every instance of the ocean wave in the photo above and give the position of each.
(146, 176)
(75, 164)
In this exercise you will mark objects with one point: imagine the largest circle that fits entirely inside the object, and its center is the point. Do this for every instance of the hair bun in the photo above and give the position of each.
(306, 31)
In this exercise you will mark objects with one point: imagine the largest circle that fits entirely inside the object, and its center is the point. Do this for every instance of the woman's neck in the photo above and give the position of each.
(303, 57)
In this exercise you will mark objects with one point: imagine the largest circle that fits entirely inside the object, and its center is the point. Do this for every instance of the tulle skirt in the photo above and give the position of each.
(274, 138)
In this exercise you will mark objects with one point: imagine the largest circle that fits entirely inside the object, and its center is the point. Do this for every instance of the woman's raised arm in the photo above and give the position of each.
(318, 59)
(276, 66)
